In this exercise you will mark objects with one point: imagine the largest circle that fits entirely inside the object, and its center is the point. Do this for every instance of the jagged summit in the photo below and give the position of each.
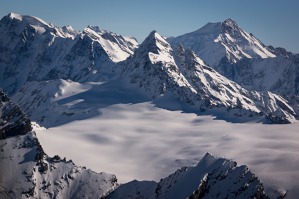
(230, 22)
(218, 27)
(155, 48)
(230, 26)
(155, 38)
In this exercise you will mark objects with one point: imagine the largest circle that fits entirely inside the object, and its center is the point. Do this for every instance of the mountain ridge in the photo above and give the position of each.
(155, 66)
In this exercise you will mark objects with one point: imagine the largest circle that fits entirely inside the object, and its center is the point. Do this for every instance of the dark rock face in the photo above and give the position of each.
(12, 121)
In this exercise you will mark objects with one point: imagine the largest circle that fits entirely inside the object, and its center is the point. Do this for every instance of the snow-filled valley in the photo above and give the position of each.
(142, 141)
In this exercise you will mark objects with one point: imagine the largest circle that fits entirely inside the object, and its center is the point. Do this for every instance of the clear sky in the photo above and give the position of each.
(274, 22)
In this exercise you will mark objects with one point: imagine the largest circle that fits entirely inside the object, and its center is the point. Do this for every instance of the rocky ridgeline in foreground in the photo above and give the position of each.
(213, 177)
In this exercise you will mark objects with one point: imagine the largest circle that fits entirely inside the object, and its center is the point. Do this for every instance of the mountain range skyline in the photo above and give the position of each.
(274, 22)
(99, 97)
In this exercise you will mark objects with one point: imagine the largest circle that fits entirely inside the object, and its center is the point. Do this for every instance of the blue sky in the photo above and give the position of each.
(274, 22)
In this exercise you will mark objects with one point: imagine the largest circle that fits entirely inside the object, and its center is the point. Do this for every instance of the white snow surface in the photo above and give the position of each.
(141, 141)
(117, 47)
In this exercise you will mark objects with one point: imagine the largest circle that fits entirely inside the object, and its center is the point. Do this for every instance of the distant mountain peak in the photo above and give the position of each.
(154, 35)
(26, 18)
(231, 27)
(155, 43)
(97, 29)
(230, 22)
(223, 41)
(14, 16)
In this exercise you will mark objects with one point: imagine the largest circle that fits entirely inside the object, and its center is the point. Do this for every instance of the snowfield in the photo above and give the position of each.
(144, 142)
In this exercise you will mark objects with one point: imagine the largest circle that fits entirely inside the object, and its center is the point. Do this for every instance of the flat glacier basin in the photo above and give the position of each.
(141, 141)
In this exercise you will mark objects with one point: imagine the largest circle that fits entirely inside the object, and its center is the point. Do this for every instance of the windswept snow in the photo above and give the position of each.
(29, 19)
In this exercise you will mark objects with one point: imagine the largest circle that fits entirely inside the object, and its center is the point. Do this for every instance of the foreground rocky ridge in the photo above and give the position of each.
(213, 177)
(28, 172)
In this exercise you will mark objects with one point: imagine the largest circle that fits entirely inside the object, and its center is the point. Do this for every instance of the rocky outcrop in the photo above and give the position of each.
(12, 121)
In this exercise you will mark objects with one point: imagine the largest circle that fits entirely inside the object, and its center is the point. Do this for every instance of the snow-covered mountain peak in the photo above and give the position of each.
(229, 26)
(99, 30)
(18, 23)
(14, 16)
(157, 48)
(116, 46)
(226, 39)
(67, 31)
(34, 21)
(230, 22)
(155, 38)
(30, 26)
